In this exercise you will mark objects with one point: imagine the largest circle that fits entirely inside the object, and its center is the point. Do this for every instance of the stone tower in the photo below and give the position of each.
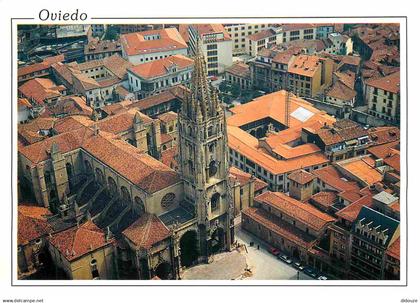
(203, 162)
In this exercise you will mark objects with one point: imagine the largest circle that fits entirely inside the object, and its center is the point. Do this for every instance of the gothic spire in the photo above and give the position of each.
(203, 101)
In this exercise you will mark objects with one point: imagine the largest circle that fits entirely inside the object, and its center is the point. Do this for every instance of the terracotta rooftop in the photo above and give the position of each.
(138, 43)
(161, 67)
(384, 150)
(168, 117)
(305, 65)
(331, 176)
(146, 231)
(303, 212)
(40, 89)
(32, 223)
(341, 131)
(301, 176)
(384, 134)
(121, 122)
(341, 91)
(390, 83)
(235, 174)
(31, 132)
(272, 105)
(281, 228)
(362, 169)
(325, 198)
(351, 211)
(96, 46)
(262, 35)
(239, 69)
(78, 241)
(36, 67)
(71, 105)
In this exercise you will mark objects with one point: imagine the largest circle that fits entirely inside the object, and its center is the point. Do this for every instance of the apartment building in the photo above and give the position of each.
(372, 234)
(383, 97)
(309, 75)
(154, 77)
(291, 32)
(304, 75)
(263, 39)
(99, 49)
(216, 45)
(239, 74)
(239, 32)
(146, 46)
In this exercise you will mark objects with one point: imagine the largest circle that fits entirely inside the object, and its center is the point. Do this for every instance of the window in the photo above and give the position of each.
(167, 200)
(215, 201)
(94, 269)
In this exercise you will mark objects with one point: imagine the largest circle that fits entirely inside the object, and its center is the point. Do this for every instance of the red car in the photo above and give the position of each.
(274, 251)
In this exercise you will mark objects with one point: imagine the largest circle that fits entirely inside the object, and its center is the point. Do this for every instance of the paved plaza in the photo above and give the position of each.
(247, 263)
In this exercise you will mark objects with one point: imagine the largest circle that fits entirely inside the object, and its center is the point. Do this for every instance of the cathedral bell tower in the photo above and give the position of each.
(203, 161)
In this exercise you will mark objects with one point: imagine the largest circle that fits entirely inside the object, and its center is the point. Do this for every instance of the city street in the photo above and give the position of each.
(265, 266)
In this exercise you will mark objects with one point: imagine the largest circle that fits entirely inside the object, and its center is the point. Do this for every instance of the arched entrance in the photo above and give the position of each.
(163, 271)
(189, 248)
(217, 242)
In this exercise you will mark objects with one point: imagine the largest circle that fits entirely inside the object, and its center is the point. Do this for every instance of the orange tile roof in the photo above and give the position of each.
(394, 162)
(32, 223)
(273, 106)
(247, 145)
(235, 174)
(146, 231)
(168, 157)
(281, 228)
(305, 65)
(350, 195)
(325, 198)
(351, 211)
(40, 89)
(384, 134)
(29, 69)
(331, 176)
(23, 102)
(361, 169)
(262, 35)
(394, 249)
(161, 67)
(139, 168)
(384, 150)
(287, 152)
(78, 241)
(303, 212)
(390, 83)
(301, 176)
(136, 44)
(121, 122)
(239, 69)
(341, 91)
(168, 117)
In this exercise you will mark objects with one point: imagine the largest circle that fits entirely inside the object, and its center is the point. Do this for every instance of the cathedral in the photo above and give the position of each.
(107, 207)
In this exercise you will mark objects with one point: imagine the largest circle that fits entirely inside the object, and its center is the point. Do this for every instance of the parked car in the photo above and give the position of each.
(298, 265)
(310, 272)
(274, 251)
(322, 278)
(286, 259)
